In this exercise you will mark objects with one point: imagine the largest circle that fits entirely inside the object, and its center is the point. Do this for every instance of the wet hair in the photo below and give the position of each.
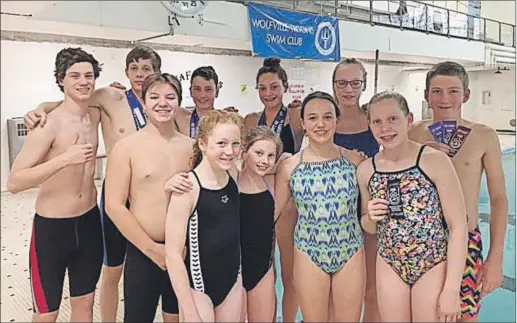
(70, 56)
(350, 61)
(396, 97)
(262, 133)
(208, 123)
(448, 68)
(323, 96)
(272, 65)
(158, 78)
(179, 88)
(208, 73)
(144, 52)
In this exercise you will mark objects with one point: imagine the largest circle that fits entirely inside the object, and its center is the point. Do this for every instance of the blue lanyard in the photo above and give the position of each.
(278, 122)
(139, 115)
(194, 123)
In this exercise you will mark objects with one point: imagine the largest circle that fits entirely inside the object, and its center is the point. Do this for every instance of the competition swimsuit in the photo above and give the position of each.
(59, 245)
(362, 141)
(414, 244)
(113, 241)
(257, 213)
(326, 196)
(283, 131)
(213, 241)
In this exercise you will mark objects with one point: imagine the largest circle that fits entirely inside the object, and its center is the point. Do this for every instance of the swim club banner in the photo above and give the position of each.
(292, 35)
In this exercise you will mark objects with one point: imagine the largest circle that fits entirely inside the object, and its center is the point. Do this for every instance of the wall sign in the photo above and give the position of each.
(293, 35)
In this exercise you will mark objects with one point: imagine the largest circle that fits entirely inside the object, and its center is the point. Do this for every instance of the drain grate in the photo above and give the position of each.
(508, 284)
(485, 218)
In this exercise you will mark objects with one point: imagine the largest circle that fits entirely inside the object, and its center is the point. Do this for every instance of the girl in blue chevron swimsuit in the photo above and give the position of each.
(329, 263)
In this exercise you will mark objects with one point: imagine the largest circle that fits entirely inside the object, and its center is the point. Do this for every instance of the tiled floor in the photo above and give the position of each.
(16, 303)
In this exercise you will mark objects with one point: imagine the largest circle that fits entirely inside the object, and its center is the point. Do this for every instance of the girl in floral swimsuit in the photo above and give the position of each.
(413, 201)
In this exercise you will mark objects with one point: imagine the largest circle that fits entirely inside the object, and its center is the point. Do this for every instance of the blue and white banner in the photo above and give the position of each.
(292, 35)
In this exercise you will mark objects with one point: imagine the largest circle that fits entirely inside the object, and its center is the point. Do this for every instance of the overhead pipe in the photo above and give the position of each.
(502, 54)
(499, 54)
(505, 60)
(501, 48)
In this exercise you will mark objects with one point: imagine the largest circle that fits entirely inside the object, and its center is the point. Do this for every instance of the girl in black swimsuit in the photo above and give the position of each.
(257, 220)
(272, 84)
(257, 207)
(205, 223)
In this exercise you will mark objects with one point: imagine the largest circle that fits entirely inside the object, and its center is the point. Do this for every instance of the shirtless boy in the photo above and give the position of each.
(138, 168)
(204, 89)
(121, 115)
(447, 88)
(60, 157)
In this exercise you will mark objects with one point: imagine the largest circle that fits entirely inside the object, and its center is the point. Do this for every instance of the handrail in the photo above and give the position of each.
(472, 28)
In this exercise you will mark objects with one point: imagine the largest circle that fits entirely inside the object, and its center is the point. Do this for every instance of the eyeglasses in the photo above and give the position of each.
(354, 84)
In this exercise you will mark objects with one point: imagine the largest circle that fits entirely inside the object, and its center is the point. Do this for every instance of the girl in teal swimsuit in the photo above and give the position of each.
(329, 263)
(412, 201)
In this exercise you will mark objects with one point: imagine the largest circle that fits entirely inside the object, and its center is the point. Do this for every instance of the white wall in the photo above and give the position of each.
(363, 37)
(27, 74)
(225, 23)
(498, 112)
(28, 67)
(503, 11)
(412, 85)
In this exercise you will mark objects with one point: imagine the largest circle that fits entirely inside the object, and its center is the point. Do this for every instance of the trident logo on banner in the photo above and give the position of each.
(326, 34)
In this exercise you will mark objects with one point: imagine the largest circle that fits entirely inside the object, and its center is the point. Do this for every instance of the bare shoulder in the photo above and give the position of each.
(110, 92)
(484, 136)
(434, 161)
(252, 115)
(106, 95)
(194, 192)
(49, 104)
(433, 155)
(251, 118)
(365, 168)
(186, 141)
(51, 129)
(182, 112)
(289, 164)
(353, 156)
(419, 127)
(422, 124)
(182, 118)
(191, 196)
(479, 128)
(269, 179)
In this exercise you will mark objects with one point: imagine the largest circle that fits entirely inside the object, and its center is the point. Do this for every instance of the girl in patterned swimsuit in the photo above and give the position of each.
(413, 201)
(329, 263)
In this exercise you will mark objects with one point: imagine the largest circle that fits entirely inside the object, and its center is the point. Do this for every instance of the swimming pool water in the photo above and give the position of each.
(509, 174)
(499, 306)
